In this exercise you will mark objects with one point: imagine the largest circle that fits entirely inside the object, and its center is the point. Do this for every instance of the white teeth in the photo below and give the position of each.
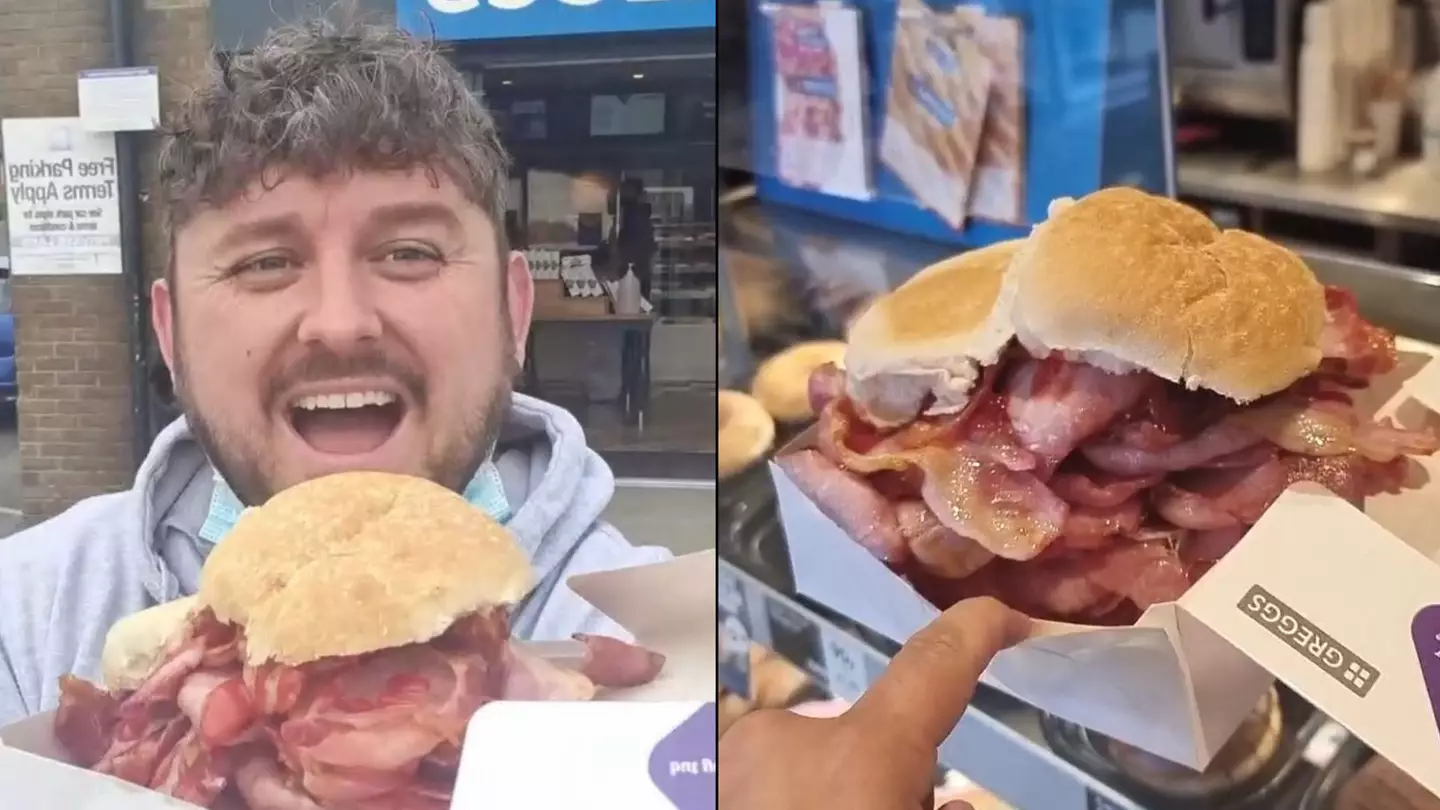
(352, 399)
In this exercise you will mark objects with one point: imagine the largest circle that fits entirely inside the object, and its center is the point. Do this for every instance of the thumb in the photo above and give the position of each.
(922, 694)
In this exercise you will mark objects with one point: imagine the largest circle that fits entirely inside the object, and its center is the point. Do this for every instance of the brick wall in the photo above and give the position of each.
(72, 347)
(174, 34)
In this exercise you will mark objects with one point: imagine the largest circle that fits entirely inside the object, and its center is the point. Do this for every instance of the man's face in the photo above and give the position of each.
(360, 322)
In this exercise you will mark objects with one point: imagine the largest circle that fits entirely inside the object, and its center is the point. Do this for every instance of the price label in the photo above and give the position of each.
(732, 635)
(844, 660)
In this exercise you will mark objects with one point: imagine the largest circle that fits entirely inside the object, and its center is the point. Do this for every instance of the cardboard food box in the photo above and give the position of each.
(648, 747)
(1342, 606)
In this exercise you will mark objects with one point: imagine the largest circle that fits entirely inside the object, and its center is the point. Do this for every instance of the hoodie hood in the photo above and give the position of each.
(556, 486)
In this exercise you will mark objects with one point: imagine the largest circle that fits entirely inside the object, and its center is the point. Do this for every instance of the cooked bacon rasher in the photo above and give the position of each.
(1076, 494)
(381, 730)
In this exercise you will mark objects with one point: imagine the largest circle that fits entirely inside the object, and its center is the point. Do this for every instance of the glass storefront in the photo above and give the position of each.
(612, 136)
(581, 135)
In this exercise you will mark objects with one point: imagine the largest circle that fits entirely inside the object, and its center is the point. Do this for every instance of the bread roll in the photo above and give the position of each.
(1127, 280)
(931, 335)
(357, 562)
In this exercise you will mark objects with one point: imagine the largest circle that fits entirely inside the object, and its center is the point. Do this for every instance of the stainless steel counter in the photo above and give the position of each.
(1406, 198)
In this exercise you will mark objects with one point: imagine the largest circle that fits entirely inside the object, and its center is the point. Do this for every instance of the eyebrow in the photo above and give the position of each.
(288, 226)
(396, 215)
(284, 226)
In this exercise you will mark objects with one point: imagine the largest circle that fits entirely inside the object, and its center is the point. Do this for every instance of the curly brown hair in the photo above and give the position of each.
(322, 97)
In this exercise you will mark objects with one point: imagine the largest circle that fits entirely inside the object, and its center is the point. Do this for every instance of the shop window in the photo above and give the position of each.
(515, 211)
(633, 114)
(567, 210)
(684, 280)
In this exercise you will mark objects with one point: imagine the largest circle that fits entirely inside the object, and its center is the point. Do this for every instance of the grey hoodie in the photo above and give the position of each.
(65, 581)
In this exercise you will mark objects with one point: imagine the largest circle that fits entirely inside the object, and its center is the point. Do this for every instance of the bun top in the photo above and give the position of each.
(357, 562)
(930, 335)
(1124, 280)
(136, 644)
(943, 311)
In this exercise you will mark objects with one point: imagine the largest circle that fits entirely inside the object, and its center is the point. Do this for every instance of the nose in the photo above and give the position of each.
(341, 311)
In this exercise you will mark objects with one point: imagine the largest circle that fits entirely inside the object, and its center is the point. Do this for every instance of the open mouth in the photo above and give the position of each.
(348, 423)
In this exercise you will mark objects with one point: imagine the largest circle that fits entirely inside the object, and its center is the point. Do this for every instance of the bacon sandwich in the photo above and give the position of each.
(342, 637)
(1082, 422)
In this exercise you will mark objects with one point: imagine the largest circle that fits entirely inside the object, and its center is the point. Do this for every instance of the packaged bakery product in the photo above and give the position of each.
(819, 99)
(997, 191)
(934, 109)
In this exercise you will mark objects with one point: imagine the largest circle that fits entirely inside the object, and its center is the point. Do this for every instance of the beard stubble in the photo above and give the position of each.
(253, 483)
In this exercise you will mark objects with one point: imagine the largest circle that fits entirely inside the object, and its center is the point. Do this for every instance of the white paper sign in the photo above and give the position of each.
(119, 99)
(62, 195)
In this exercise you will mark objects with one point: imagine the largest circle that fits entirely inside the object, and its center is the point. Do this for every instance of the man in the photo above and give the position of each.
(635, 234)
(879, 755)
(339, 296)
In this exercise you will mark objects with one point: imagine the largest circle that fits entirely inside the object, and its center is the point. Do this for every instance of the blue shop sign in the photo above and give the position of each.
(452, 20)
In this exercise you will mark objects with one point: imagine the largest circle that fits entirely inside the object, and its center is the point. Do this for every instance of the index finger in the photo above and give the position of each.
(922, 694)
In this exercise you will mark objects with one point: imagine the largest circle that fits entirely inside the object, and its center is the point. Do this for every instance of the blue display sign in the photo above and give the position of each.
(452, 20)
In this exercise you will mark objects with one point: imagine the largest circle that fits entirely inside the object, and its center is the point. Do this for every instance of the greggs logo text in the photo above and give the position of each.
(1286, 624)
